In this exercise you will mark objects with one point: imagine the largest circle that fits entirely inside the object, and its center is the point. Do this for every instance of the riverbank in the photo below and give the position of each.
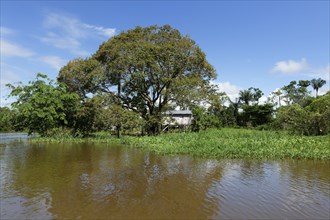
(222, 143)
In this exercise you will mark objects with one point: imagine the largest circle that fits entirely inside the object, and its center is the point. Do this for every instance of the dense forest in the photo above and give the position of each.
(128, 84)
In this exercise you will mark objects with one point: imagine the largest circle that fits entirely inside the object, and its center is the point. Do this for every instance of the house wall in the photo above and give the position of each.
(178, 120)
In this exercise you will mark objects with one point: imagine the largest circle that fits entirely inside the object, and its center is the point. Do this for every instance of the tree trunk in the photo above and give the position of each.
(118, 133)
(119, 102)
(154, 125)
(279, 101)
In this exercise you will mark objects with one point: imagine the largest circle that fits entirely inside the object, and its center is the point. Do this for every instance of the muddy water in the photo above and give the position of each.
(94, 181)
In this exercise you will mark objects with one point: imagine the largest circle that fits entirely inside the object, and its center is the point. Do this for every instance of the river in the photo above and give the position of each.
(99, 181)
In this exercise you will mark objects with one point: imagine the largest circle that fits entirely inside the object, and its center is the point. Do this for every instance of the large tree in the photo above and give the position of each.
(145, 69)
(80, 76)
(295, 92)
(277, 94)
(317, 84)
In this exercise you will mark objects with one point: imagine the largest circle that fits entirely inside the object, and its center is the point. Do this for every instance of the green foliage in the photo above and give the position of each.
(252, 94)
(200, 120)
(142, 70)
(293, 118)
(41, 105)
(85, 116)
(245, 96)
(317, 84)
(313, 119)
(320, 104)
(303, 83)
(237, 143)
(229, 115)
(306, 101)
(99, 114)
(80, 76)
(295, 93)
(257, 114)
(60, 133)
(320, 115)
(226, 143)
(7, 116)
(203, 119)
(120, 118)
(276, 97)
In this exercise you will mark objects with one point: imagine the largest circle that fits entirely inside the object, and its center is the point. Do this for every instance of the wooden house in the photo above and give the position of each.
(177, 119)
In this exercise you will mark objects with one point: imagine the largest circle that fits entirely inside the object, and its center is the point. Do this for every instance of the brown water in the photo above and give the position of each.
(95, 181)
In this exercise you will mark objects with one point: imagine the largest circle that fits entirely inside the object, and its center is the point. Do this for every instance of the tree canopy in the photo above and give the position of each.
(7, 117)
(144, 70)
(317, 84)
(135, 77)
(295, 92)
(252, 94)
(41, 105)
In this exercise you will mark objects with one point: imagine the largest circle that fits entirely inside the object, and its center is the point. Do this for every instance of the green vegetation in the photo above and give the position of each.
(237, 143)
(316, 84)
(128, 84)
(42, 105)
(7, 119)
(311, 119)
(141, 70)
(223, 143)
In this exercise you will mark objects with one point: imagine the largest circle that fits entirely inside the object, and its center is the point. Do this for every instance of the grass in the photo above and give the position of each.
(224, 143)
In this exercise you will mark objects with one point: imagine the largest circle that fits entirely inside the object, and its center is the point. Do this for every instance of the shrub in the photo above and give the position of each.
(310, 120)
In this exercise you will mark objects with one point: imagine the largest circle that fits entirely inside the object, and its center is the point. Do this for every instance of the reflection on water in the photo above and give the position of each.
(6, 138)
(90, 181)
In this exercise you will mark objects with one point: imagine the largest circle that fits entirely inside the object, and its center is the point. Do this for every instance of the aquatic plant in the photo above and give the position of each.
(223, 143)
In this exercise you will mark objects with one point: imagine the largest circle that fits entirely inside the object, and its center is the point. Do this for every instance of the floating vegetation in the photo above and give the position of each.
(223, 143)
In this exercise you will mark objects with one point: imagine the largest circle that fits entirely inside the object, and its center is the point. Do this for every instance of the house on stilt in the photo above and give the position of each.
(177, 119)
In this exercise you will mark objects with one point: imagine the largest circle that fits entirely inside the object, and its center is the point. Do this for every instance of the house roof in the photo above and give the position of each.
(178, 112)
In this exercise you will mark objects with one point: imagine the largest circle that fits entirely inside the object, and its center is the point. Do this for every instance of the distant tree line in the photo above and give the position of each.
(133, 78)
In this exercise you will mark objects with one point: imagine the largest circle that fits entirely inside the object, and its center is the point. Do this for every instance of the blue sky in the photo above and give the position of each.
(263, 44)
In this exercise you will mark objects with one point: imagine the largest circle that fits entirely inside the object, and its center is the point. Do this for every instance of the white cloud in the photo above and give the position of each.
(67, 42)
(7, 76)
(9, 49)
(231, 90)
(6, 31)
(323, 73)
(13, 73)
(67, 32)
(62, 43)
(324, 89)
(54, 61)
(106, 32)
(277, 99)
(64, 24)
(263, 99)
(290, 66)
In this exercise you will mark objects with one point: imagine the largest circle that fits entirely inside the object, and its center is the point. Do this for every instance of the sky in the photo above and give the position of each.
(262, 44)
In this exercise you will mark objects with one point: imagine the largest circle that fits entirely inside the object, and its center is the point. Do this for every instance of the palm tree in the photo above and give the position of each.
(252, 94)
(317, 84)
(246, 96)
